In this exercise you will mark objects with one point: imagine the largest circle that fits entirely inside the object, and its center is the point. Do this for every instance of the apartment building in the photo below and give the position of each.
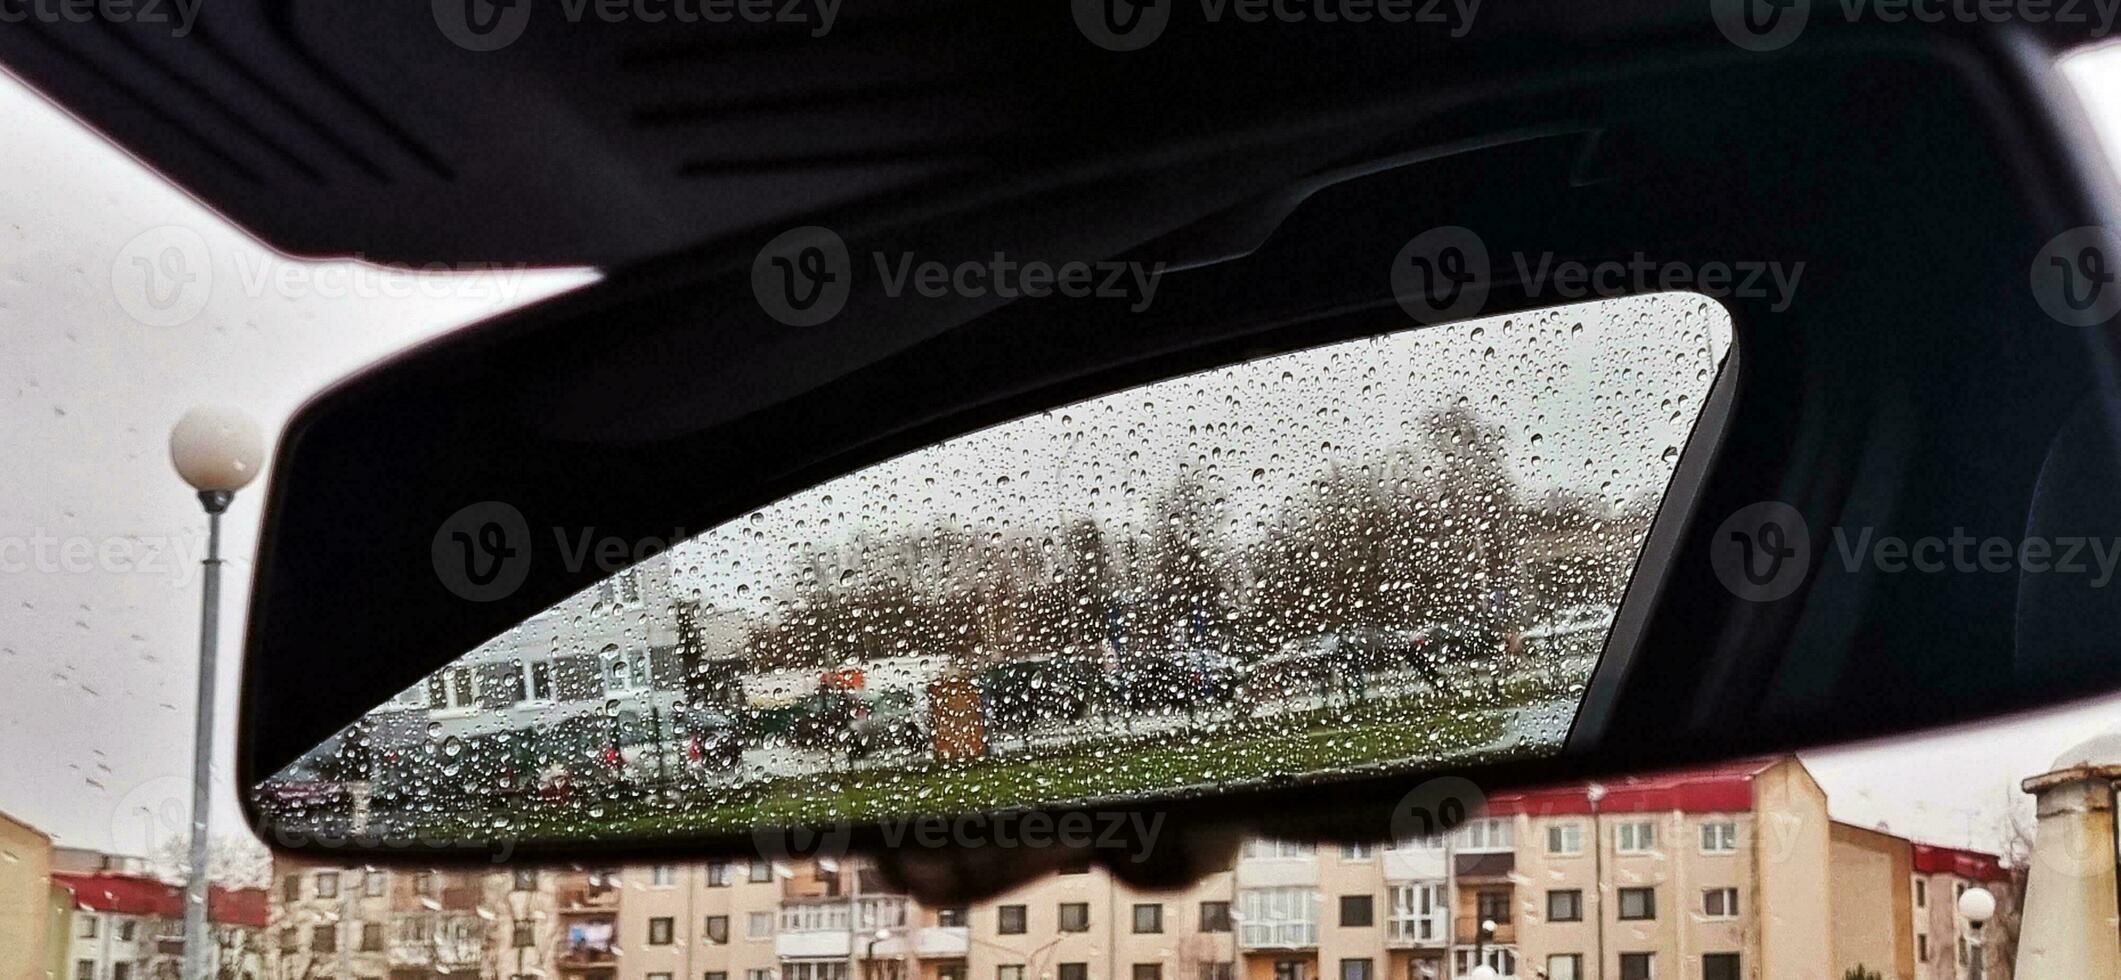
(1729, 873)
(365, 923)
(1904, 900)
(32, 908)
(1947, 947)
(128, 926)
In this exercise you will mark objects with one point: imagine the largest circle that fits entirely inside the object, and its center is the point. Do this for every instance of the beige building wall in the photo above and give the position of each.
(1790, 860)
(1677, 871)
(1872, 901)
(25, 901)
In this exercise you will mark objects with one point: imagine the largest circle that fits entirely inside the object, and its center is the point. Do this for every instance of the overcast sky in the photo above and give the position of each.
(98, 648)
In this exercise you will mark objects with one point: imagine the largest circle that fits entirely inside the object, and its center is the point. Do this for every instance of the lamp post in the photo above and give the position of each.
(869, 961)
(1978, 905)
(217, 451)
(1481, 970)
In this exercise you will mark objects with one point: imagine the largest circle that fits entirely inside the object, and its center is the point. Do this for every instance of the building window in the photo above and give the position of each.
(524, 934)
(327, 884)
(1149, 917)
(1565, 838)
(818, 970)
(125, 930)
(715, 975)
(1637, 966)
(1356, 852)
(757, 974)
(1355, 969)
(758, 925)
(1075, 916)
(1257, 849)
(1148, 971)
(454, 689)
(1009, 920)
(372, 937)
(1922, 894)
(761, 871)
(1922, 947)
(1215, 917)
(84, 970)
(291, 888)
(541, 680)
(1075, 971)
(1493, 905)
(289, 939)
(324, 939)
(373, 884)
(1638, 903)
(1719, 966)
(1356, 910)
(1488, 834)
(1634, 836)
(1501, 959)
(1286, 916)
(1288, 970)
(663, 875)
(1720, 903)
(659, 976)
(525, 880)
(952, 915)
(1009, 971)
(717, 929)
(1719, 837)
(1962, 950)
(1565, 966)
(625, 670)
(1418, 912)
(1565, 905)
(423, 883)
(717, 874)
(121, 971)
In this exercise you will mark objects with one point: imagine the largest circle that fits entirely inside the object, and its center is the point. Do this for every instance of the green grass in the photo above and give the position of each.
(1375, 735)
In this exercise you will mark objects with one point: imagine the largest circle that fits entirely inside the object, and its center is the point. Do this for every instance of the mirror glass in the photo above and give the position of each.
(1389, 553)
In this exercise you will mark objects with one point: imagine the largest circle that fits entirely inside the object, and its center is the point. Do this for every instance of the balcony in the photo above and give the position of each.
(1469, 931)
(939, 942)
(1289, 934)
(581, 900)
(584, 956)
(1414, 864)
(1278, 872)
(1417, 932)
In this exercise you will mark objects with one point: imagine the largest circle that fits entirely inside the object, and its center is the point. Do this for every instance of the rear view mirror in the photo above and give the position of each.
(646, 565)
(1370, 557)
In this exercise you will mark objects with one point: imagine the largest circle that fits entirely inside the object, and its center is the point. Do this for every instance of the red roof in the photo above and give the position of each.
(129, 894)
(1721, 789)
(1932, 859)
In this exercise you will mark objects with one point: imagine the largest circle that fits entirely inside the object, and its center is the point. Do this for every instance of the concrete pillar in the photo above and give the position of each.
(2071, 927)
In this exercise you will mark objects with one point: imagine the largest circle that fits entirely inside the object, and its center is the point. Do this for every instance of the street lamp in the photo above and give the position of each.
(1481, 970)
(218, 451)
(869, 961)
(1978, 905)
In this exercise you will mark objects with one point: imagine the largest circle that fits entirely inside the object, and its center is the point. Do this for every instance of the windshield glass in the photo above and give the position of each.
(1381, 552)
